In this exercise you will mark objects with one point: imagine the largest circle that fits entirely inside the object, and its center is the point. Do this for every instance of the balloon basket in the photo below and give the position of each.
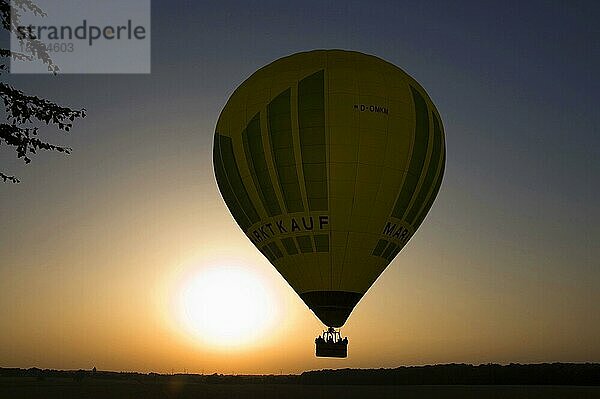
(331, 344)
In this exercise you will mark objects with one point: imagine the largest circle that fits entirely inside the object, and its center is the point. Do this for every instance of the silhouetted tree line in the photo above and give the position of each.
(444, 374)
(462, 374)
(79, 375)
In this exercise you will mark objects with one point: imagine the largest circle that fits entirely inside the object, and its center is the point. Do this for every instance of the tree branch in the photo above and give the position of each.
(11, 179)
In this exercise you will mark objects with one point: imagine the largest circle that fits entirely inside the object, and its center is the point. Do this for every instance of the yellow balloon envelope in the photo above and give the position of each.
(329, 161)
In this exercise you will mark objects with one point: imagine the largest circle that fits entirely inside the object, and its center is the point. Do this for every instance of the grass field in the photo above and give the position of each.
(65, 388)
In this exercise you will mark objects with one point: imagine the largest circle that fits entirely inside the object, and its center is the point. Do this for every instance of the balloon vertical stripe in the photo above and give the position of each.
(255, 155)
(226, 190)
(305, 244)
(311, 124)
(275, 249)
(389, 250)
(381, 244)
(290, 245)
(280, 132)
(418, 155)
(432, 169)
(322, 242)
(235, 179)
(440, 175)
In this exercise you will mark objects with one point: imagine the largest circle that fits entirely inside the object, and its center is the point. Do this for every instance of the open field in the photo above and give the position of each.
(66, 388)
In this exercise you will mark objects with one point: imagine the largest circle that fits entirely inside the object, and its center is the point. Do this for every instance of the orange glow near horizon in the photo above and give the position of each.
(110, 289)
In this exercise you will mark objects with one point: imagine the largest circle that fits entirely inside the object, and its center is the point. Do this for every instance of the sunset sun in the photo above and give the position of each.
(225, 306)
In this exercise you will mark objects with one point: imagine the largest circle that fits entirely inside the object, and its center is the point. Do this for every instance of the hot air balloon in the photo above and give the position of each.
(329, 160)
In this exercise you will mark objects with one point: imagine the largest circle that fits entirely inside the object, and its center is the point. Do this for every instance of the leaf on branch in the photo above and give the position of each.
(11, 179)
(25, 141)
(22, 108)
(15, 55)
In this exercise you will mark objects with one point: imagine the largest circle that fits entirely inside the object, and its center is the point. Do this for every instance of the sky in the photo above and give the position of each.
(96, 248)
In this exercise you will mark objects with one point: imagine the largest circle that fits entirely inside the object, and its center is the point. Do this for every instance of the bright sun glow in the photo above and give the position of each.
(226, 306)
